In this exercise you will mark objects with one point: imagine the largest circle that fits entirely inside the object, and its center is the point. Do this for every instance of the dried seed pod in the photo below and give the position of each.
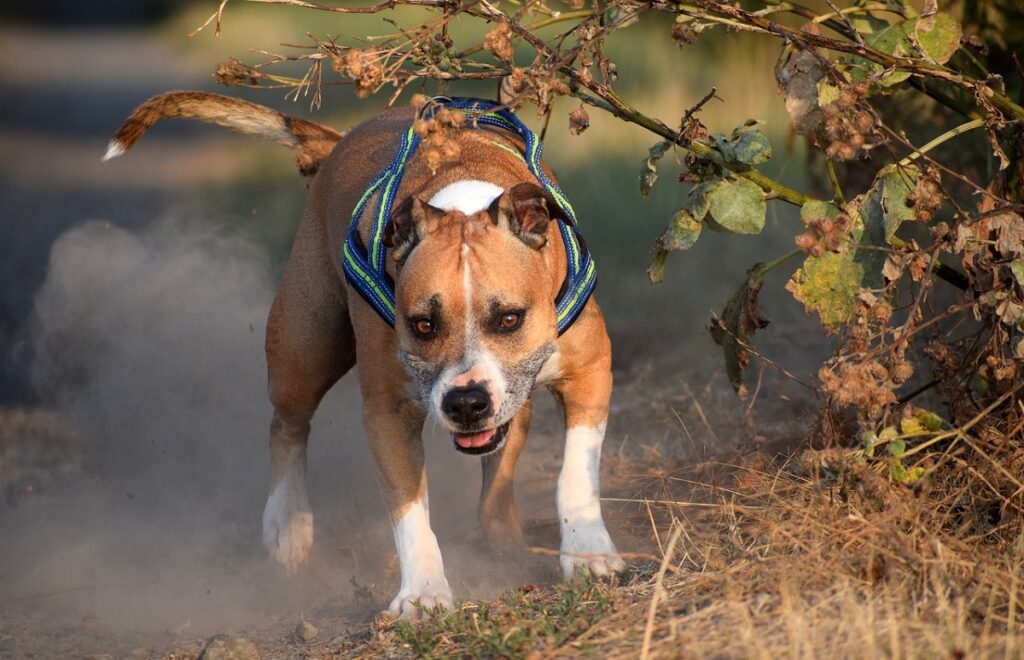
(805, 241)
(497, 41)
(579, 121)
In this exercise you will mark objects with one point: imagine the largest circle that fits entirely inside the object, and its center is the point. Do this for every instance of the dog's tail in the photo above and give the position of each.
(313, 141)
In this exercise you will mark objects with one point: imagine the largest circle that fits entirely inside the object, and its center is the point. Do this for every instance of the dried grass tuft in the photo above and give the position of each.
(823, 557)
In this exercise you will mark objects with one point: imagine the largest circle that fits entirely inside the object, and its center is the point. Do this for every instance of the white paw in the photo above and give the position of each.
(288, 528)
(411, 600)
(588, 547)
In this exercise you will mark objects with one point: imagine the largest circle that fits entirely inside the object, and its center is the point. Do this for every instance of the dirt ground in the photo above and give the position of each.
(152, 606)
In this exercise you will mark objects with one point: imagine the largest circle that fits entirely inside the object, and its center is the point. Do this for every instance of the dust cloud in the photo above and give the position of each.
(149, 345)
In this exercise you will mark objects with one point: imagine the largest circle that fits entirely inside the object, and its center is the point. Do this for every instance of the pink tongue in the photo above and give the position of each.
(473, 440)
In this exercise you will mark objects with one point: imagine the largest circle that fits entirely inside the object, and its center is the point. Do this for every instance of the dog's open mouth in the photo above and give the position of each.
(481, 442)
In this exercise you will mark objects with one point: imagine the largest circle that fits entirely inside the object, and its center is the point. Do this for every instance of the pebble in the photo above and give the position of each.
(306, 631)
(225, 647)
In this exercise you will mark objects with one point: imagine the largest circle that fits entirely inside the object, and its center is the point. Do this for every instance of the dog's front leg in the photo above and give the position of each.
(395, 427)
(585, 540)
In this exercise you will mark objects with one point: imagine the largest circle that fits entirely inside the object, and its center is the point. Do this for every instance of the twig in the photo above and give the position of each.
(836, 188)
(957, 432)
(645, 651)
(948, 135)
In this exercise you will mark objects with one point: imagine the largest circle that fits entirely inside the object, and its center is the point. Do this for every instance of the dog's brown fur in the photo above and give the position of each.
(319, 328)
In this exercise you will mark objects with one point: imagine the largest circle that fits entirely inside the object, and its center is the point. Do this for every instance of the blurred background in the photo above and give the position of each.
(132, 381)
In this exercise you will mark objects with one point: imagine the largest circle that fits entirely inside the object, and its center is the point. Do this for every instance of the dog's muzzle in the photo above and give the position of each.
(469, 407)
(480, 443)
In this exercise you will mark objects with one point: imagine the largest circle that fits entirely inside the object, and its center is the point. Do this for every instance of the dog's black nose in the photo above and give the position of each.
(466, 406)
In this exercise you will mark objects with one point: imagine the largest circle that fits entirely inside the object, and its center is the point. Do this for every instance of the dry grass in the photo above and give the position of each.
(834, 561)
(815, 557)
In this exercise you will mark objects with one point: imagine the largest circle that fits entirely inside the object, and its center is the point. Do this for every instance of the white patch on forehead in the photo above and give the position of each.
(467, 289)
(467, 196)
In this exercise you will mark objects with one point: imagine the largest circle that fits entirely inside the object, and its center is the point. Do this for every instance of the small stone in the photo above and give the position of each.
(338, 640)
(225, 647)
(306, 631)
(383, 620)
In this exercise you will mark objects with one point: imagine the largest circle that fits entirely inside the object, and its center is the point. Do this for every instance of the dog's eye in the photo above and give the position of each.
(423, 328)
(509, 321)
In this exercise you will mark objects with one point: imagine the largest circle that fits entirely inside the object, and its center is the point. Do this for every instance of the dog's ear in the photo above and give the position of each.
(405, 227)
(525, 209)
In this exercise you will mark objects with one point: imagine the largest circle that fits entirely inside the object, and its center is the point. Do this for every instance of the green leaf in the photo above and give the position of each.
(1017, 268)
(893, 39)
(868, 440)
(933, 38)
(888, 434)
(901, 475)
(752, 147)
(866, 24)
(938, 36)
(930, 420)
(723, 145)
(827, 92)
(735, 206)
(897, 472)
(649, 169)
(912, 426)
(815, 209)
(745, 145)
(882, 210)
(828, 285)
(892, 78)
(740, 319)
(615, 14)
(897, 448)
(656, 271)
(682, 232)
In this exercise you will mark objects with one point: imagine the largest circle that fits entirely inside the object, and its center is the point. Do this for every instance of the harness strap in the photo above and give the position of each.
(364, 266)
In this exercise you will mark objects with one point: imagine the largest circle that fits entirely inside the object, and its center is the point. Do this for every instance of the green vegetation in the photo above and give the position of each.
(522, 622)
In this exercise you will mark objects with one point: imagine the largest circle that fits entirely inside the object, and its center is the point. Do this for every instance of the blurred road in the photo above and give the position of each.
(65, 92)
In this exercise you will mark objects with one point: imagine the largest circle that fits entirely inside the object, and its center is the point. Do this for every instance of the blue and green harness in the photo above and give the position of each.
(364, 267)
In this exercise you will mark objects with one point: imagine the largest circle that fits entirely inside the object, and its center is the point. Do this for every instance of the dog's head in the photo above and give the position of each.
(475, 310)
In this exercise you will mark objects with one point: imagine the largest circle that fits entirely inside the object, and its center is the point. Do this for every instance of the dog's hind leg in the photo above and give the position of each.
(310, 346)
(498, 513)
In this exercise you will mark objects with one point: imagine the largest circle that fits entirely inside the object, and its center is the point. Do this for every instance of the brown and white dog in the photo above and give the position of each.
(478, 267)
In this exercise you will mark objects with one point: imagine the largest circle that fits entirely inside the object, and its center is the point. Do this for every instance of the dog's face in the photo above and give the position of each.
(475, 311)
